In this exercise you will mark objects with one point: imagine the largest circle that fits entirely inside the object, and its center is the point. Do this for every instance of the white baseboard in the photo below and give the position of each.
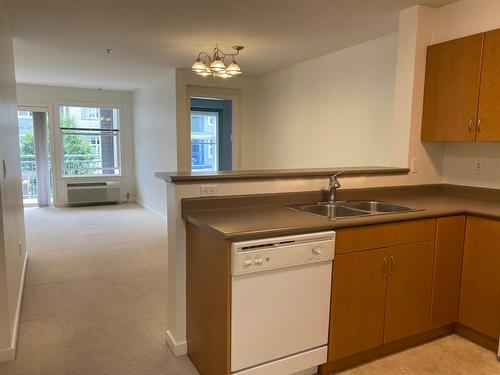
(9, 354)
(143, 205)
(177, 348)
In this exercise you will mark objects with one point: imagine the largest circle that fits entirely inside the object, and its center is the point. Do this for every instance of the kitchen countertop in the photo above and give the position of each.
(193, 176)
(265, 221)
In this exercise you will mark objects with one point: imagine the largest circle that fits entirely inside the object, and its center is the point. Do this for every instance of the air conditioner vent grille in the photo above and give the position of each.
(87, 193)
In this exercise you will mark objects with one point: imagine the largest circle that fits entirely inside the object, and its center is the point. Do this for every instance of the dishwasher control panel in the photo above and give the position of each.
(279, 252)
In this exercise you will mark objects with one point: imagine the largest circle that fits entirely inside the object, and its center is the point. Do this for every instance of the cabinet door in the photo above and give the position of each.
(447, 270)
(480, 291)
(409, 289)
(452, 90)
(489, 98)
(358, 302)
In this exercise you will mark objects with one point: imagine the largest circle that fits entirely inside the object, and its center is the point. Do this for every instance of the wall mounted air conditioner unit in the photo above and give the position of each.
(88, 193)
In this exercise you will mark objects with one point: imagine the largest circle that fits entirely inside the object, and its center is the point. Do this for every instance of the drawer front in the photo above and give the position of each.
(384, 235)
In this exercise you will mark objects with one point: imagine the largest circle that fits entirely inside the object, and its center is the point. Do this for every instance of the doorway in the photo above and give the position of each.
(36, 164)
(211, 134)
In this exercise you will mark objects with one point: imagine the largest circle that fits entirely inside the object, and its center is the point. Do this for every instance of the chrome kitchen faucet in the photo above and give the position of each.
(333, 186)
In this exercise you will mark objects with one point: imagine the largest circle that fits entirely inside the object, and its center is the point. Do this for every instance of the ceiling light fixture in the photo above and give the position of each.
(219, 65)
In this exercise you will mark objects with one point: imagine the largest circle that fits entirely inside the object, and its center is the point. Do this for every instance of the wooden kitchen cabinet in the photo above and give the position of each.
(462, 89)
(358, 302)
(409, 289)
(480, 289)
(447, 270)
(382, 293)
(452, 82)
(489, 99)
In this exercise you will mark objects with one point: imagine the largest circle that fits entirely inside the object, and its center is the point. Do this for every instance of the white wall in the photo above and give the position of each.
(467, 17)
(333, 110)
(12, 241)
(155, 140)
(51, 97)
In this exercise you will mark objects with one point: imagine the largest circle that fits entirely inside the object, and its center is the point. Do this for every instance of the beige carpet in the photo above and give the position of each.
(95, 303)
(95, 297)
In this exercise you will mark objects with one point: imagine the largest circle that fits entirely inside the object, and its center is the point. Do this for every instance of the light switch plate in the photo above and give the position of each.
(208, 190)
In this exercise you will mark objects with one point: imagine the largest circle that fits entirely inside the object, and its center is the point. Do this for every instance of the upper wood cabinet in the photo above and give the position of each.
(452, 81)
(462, 90)
(489, 99)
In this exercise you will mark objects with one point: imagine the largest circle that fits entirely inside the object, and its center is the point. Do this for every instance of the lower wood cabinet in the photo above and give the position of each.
(409, 290)
(447, 270)
(383, 294)
(358, 302)
(380, 296)
(480, 289)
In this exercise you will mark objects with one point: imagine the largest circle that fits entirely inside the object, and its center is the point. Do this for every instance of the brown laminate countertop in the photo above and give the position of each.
(266, 221)
(193, 176)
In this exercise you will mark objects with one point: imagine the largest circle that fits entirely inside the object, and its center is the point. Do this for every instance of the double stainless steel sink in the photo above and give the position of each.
(346, 209)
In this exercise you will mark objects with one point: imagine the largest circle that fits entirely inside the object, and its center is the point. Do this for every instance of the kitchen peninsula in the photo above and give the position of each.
(252, 205)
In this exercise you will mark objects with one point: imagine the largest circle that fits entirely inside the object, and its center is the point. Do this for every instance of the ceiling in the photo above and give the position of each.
(61, 42)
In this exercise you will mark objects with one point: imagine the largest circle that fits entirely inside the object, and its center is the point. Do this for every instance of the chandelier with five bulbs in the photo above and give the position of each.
(219, 65)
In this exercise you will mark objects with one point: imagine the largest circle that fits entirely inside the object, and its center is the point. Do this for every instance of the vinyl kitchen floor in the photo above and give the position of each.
(451, 355)
(95, 303)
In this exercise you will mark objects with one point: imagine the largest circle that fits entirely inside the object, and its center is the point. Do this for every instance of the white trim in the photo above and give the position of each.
(9, 354)
(177, 348)
(150, 209)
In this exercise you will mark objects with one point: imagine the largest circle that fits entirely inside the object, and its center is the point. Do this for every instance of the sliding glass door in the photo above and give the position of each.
(35, 156)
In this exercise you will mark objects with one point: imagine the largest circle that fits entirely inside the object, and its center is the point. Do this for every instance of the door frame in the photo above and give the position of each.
(216, 93)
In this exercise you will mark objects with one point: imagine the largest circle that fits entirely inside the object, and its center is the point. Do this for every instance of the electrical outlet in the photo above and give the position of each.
(414, 165)
(479, 166)
(208, 190)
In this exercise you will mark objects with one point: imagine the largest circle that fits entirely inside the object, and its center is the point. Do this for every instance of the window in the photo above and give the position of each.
(90, 138)
(204, 134)
(88, 113)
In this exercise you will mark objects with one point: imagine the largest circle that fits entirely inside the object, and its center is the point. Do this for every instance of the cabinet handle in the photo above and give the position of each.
(470, 125)
(393, 265)
(386, 265)
(479, 126)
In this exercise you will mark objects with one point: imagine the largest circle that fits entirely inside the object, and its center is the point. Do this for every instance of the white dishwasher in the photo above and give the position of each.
(280, 307)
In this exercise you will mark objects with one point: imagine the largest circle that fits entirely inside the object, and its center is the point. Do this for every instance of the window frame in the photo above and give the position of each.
(60, 140)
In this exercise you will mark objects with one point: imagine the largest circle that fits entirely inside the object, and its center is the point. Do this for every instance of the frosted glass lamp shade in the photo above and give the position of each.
(218, 66)
(233, 69)
(199, 67)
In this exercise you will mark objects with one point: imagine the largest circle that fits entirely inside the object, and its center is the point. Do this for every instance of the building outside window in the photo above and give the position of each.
(90, 138)
(204, 135)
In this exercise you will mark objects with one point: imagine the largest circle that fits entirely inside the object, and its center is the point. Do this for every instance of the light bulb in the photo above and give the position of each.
(223, 75)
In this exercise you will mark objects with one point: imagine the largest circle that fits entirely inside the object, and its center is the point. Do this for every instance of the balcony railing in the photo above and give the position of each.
(73, 165)
(86, 165)
(28, 174)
